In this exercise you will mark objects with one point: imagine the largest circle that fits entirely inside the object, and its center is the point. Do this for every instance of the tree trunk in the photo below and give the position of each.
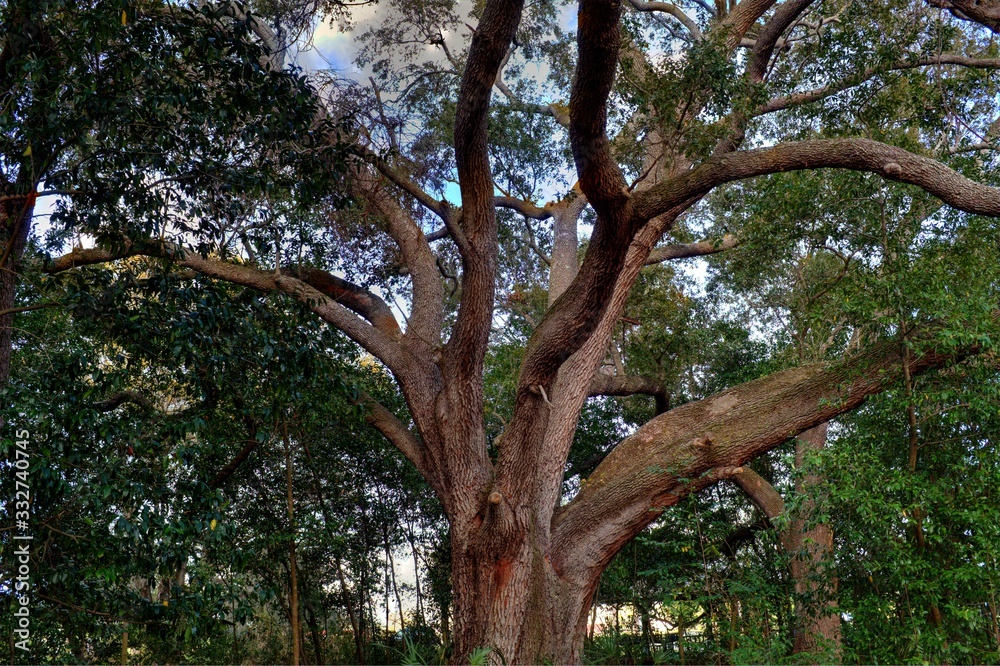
(565, 244)
(445, 627)
(392, 578)
(314, 631)
(15, 223)
(416, 573)
(817, 627)
(359, 647)
(293, 582)
(593, 612)
(517, 604)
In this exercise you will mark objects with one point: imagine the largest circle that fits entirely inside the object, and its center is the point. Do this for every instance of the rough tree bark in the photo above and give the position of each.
(817, 627)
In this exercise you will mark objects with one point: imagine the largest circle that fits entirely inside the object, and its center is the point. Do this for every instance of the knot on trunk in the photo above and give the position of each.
(704, 442)
(500, 530)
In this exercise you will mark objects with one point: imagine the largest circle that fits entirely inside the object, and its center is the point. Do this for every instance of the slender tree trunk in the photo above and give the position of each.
(445, 626)
(124, 658)
(680, 639)
(647, 630)
(359, 652)
(293, 582)
(993, 615)
(236, 653)
(734, 621)
(392, 577)
(388, 585)
(314, 631)
(913, 437)
(565, 244)
(593, 611)
(416, 571)
(817, 627)
(359, 647)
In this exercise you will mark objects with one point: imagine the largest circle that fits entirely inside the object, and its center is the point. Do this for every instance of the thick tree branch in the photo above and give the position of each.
(361, 301)
(86, 257)
(574, 315)
(397, 433)
(575, 376)
(427, 312)
(984, 12)
(686, 250)
(760, 55)
(490, 42)
(598, 43)
(762, 49)
(626, 385)
(856, 154)
(734, 26)
(525, 208)
(692, 446)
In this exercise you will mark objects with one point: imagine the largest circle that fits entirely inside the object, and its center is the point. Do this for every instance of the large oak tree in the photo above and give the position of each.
(654, 127)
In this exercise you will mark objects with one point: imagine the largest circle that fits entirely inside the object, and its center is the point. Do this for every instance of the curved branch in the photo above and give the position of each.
(805, 97)
(784, 16)
(525, 208)
(574, 315)
(427, 314)
(983, 12)
(86, 257)
(734, 26)
(396, 432)
(230, 468)
(490, 43)
(856, 154)
(381, 343)
(762, 48)
(696, 444)
(361, 301)
(762, 493)
(669, 8)
(439, 208)
(598, 43)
